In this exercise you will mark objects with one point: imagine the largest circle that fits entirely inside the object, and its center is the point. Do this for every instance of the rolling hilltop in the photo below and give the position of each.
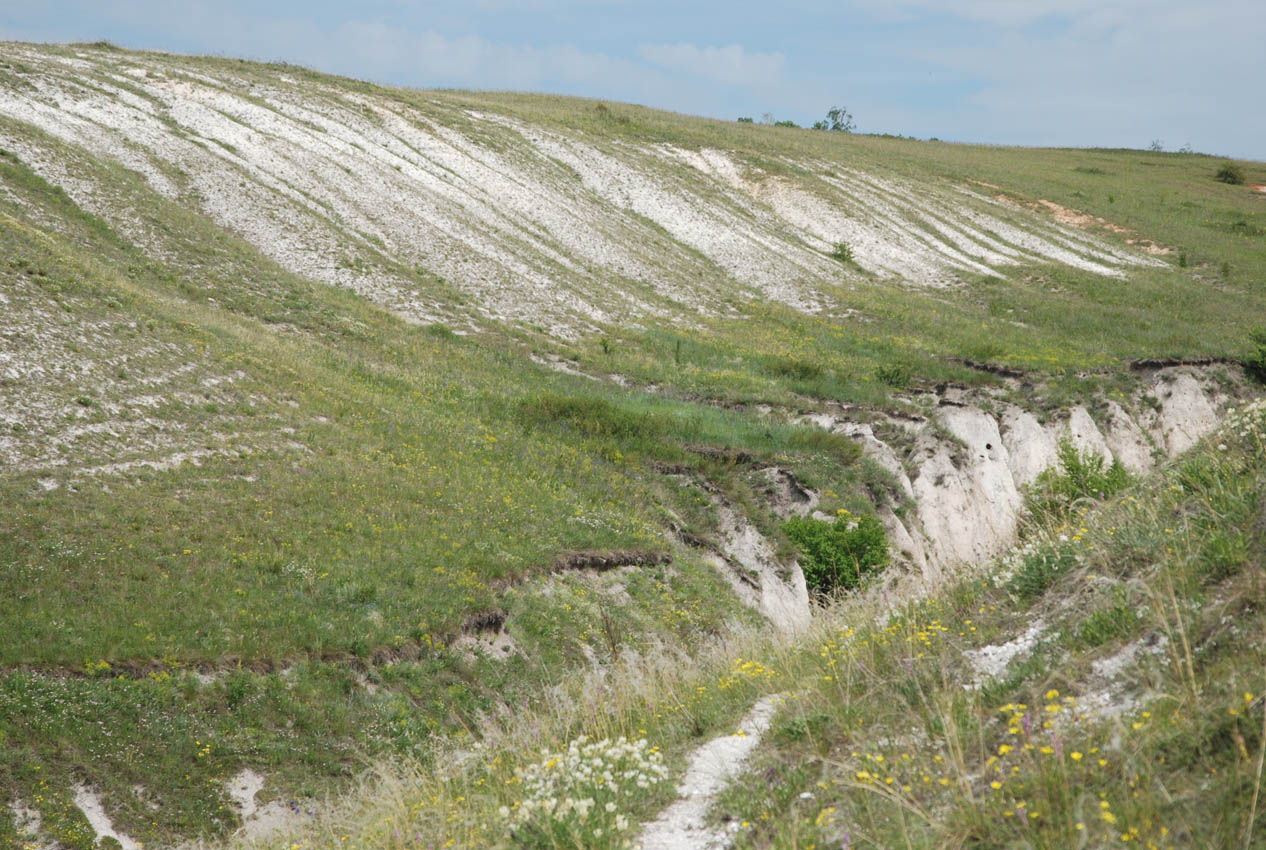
(345, 425)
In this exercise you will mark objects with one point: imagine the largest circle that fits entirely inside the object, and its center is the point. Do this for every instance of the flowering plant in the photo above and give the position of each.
(580, 797)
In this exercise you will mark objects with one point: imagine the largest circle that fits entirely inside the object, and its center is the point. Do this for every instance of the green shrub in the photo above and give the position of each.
(838, 555)
(843, 448)
(1108, 624)
(1255, 363)
(1040, 569)
(896, 376)
(791, 367)
(1078, 476)
(592, 417)
(1223, 554)
(843, 252)
(1231, 173)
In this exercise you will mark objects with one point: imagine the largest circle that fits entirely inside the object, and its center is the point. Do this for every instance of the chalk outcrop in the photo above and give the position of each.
(966, 467)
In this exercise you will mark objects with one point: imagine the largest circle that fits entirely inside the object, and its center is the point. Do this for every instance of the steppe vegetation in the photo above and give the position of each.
(1127, 712)
(308, 510)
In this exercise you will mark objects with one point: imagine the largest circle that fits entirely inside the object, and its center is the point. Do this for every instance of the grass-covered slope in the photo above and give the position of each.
(264, 509)
(1101, 685)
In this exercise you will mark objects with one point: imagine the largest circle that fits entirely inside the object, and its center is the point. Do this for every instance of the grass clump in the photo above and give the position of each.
(1230, 173)
(1078, 477)
(1037, 567)
(841, 554)
(843, 449)
(924, 747)
(1255, 363)
(795, 368)
(1111, 623)
(895, 375)
(592, 417)
(842, 251)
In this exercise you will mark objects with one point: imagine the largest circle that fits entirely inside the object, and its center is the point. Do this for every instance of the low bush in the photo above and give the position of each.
(1255, 363)
(838, 555)
(791, 367)
(842, 251)
(896, 376)
(1080, 475)
(592, 417)
(1230, 173)
(1039, 569)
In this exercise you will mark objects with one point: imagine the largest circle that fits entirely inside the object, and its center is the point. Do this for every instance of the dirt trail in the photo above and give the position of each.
(683, 826)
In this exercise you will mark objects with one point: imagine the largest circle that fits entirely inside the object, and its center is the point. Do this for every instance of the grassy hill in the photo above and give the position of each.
(337, 421)
(1099, 686)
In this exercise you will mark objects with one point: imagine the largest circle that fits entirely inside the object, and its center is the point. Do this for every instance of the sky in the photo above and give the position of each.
(1086, 73)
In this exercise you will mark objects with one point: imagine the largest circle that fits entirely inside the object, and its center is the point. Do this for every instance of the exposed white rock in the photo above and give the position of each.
(543, 225)
(1186, 414)
(242, 789)
(877, 450)
(89, 802)
(259, 821)
(1129, 656)
(1031, 448)
(29, 825)
(497, 645)
(1083, 433)
(992, 661)
(903, 544)
(968, 491)
(1127, 441)
(968, 503)
(784, 602)
(786, 496)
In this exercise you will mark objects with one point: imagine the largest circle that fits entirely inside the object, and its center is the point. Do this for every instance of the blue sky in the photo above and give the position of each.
(1113, 73)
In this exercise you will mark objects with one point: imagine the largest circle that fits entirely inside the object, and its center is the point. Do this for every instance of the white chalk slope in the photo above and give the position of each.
(408, 197)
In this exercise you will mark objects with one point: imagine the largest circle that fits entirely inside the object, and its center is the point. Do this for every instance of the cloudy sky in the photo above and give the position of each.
(1115, 73)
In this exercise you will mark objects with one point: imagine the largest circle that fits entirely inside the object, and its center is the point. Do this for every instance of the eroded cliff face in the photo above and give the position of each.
(964, 466)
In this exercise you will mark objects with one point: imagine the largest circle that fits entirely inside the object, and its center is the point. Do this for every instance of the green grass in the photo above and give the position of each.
(428, 479)
(376, 485)
(887, 737)
(886, 747)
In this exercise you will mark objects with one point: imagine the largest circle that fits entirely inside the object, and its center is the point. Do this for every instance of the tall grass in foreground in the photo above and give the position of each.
(658, 702)
(1130, 711)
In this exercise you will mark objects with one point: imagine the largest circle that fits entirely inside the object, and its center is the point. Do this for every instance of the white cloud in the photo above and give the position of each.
(369, 48)
(730, 64)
